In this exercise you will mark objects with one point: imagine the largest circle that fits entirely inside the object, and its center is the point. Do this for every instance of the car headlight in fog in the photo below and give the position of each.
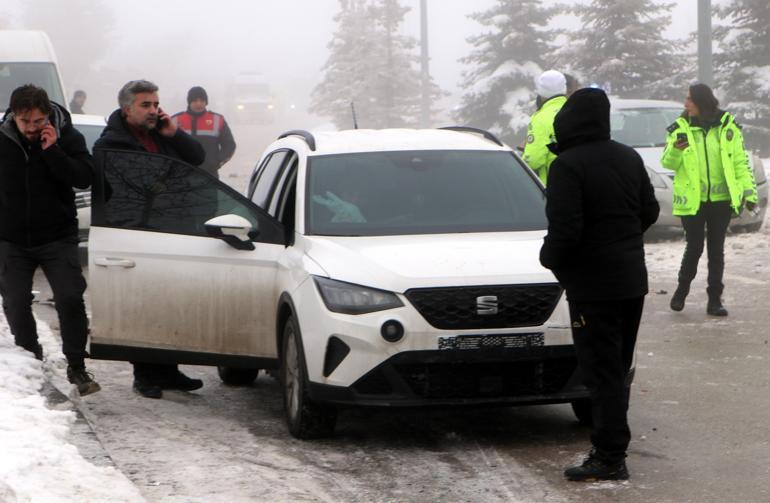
(347, 298)
(656, 180)
(240, 107)
(270, 106)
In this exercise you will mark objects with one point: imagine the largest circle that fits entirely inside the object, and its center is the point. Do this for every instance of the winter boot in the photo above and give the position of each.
(147, 389)
(77, 375)
(677, 300)
(594, 468)
(177, 380)
(715, 307)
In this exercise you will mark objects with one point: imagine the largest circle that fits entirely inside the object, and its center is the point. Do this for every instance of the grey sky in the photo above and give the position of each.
(179, 43)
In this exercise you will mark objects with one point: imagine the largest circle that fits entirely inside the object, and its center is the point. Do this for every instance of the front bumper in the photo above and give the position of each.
(531, 375)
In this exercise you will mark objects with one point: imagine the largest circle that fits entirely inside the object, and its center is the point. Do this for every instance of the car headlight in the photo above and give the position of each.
(347, 298)
(655, 179)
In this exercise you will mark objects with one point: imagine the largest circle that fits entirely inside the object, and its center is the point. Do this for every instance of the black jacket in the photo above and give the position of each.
(37, 203)
(181, 146)
(600, 202)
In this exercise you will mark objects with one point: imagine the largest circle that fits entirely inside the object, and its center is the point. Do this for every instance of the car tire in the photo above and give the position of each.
(306, 419)
(582, 410)
(237, 377)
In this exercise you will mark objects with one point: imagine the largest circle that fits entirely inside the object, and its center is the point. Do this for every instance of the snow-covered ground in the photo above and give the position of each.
(37, 461)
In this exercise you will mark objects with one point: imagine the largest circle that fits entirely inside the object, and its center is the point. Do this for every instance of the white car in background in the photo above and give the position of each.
(385, 268)
(90, 126)
(642, 124)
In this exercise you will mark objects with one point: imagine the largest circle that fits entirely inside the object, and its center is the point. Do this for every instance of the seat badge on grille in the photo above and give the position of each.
(486, 305)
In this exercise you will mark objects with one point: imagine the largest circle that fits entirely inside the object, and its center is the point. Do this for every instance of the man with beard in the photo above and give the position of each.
(42, 156)
(140, 124)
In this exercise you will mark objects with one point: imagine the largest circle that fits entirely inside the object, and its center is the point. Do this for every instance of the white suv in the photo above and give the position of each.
(392, 267)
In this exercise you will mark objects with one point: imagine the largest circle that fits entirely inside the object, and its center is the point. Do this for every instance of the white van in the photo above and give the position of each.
(27, 57)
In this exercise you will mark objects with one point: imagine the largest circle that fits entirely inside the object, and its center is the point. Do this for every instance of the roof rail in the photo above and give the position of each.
(306, 135)
(467, 129)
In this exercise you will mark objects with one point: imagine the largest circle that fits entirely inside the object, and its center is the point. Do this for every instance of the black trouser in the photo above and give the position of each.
(710, 222)
(605, 335)
(61, 265)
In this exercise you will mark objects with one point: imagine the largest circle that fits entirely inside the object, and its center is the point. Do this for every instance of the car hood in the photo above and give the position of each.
(398, 263)
(651, 157)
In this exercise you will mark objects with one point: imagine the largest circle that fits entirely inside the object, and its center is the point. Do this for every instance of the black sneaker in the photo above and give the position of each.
(181, 382)
(83, 380)
(594, 469)
(148, 390)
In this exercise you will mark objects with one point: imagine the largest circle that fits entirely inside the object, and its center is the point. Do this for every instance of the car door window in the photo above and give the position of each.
(281, 187)
(266, 177)
(158, 193)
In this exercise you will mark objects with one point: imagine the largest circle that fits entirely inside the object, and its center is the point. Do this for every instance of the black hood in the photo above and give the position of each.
(584, 118)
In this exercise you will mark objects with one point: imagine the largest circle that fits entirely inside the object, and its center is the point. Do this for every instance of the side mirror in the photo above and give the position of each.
(233, 230)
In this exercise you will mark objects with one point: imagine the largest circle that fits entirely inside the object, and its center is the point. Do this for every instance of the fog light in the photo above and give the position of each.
(392, 331)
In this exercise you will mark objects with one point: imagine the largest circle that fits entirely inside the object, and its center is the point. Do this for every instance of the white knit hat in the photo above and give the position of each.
(550, 83)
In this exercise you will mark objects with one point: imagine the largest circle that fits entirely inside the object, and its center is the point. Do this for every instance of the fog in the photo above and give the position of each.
(181, 43)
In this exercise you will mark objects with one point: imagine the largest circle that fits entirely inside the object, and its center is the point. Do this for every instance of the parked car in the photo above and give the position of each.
(90, 126)
(642, 125)
(378, 268)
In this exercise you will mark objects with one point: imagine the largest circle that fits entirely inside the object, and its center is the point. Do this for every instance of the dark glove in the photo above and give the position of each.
(751, 206)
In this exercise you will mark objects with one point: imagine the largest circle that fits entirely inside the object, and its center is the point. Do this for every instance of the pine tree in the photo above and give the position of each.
(499, 87)
(371, 66)
(743, 67)
(620, 46)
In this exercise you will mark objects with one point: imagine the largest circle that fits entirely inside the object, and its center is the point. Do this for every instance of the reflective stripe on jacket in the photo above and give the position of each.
(539, 135)
(714, 166)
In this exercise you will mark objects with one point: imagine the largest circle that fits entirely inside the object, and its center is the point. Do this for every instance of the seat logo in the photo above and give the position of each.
(486, 305)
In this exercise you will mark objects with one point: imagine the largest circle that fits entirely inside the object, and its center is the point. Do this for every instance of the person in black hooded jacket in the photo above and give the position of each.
(140, 124)
(42, 156)
(600, 202)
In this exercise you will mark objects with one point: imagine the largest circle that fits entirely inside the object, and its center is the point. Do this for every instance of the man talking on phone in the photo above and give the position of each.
(140, 124)
(42, 157)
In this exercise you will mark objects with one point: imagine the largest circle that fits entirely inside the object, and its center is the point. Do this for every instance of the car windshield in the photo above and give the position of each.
(91, 134)
(421, 192)
(642, 127)
(13, 75)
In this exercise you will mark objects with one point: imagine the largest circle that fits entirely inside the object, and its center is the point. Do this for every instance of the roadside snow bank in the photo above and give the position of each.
(37, 464)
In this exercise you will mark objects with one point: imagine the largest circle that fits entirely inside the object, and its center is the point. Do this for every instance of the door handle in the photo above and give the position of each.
(114, 262)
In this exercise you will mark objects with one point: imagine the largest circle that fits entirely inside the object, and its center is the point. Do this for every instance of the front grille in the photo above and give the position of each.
(458, 380)
(457, 308)
(83, 199)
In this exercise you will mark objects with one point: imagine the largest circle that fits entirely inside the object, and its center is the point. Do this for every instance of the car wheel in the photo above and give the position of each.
(306, 419)
(582, 410)
(237, 377)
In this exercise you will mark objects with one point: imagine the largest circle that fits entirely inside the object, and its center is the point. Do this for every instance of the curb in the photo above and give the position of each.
(81, 434)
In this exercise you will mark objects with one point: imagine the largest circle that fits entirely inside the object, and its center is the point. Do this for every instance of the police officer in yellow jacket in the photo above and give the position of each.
(551, 88)
(712, 182)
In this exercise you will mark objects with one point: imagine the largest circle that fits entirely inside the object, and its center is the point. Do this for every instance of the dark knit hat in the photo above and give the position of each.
(197, 93)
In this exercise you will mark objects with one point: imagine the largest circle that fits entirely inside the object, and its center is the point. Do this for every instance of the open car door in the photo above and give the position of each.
(163, 286)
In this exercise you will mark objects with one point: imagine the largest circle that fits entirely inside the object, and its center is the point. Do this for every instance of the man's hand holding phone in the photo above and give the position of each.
(165, 125)
(681, 141)
(48, 136)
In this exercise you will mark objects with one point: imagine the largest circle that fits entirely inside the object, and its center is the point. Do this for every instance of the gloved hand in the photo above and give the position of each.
(343, 211)
(751, 206)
